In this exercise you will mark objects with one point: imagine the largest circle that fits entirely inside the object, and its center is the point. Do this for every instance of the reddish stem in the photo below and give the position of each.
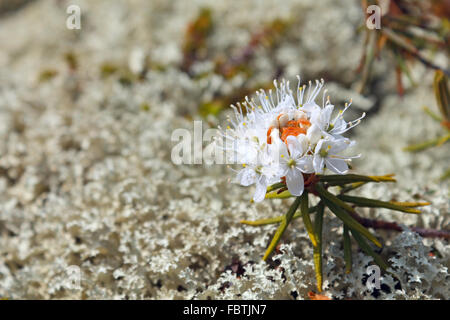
(385, 225)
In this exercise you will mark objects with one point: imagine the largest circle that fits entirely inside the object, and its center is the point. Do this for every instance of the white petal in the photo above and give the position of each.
(338, 166)
(261, 189)
(246, 177)
(279, 150)
(283, 120)
(319, 146)
(294, 182)
(295, 148)
(310, 107)
(339, 126)
(314, 134)
(303, 140)
(299, 115)
(275, 134)
(326, 115)
(305, 164)
(318, 163)
(321, 117)
(339, 145)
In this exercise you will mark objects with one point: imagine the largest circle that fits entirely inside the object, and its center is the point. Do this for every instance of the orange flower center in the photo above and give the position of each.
(291, 128)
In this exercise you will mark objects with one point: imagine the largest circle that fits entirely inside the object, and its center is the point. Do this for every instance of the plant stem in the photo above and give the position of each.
(385, 225)
(347, 250)
(284, 224)
(317, 253)
(306, 218)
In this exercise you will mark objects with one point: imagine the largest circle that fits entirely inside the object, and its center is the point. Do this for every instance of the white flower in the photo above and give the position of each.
(252, 175)
(335, 127)
(281, 136)
(260, 172)
(294, 162)
(327, 152)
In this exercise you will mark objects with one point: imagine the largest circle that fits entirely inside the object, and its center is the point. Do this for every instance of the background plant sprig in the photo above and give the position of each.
(442, 94)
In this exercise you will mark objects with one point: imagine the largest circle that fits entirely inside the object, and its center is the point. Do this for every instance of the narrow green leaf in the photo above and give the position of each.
(372, 203)
(317, 250)
(306, 218)
(368, 250)
(351, 222)
(445, 176)
(332, 198)
(352, 186)
(275, 186)
(442, 93)
(283, 195)
(347, 250)
(411, 204)
(284, 224)
(340, 179)
(401, 63)
(427, 144)
(433, 115)
(262, 222)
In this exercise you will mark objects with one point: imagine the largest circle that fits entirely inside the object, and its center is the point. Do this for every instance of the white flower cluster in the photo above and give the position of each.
(286, 137)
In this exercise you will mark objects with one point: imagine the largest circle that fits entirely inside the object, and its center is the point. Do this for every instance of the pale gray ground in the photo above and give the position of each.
(86, 177)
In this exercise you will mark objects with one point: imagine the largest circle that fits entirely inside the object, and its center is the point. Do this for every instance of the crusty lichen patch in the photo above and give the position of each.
(86, 178)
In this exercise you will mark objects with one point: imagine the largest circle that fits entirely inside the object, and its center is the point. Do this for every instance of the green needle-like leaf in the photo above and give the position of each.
(368, 250)
(401, 63)
(372, 203)
(317, 254)
(283, 195)
(433, 115)
(445, 176)
(284, 223)
(442, 93)
(410, 204)
(347, 250)
(306, 218)
(351, 222)
(338, 179)
(428, 144)
(275, 186)
(352, 186)
(332, 198)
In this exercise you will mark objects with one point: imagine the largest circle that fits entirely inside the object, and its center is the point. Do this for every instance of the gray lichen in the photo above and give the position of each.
(86, 177)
